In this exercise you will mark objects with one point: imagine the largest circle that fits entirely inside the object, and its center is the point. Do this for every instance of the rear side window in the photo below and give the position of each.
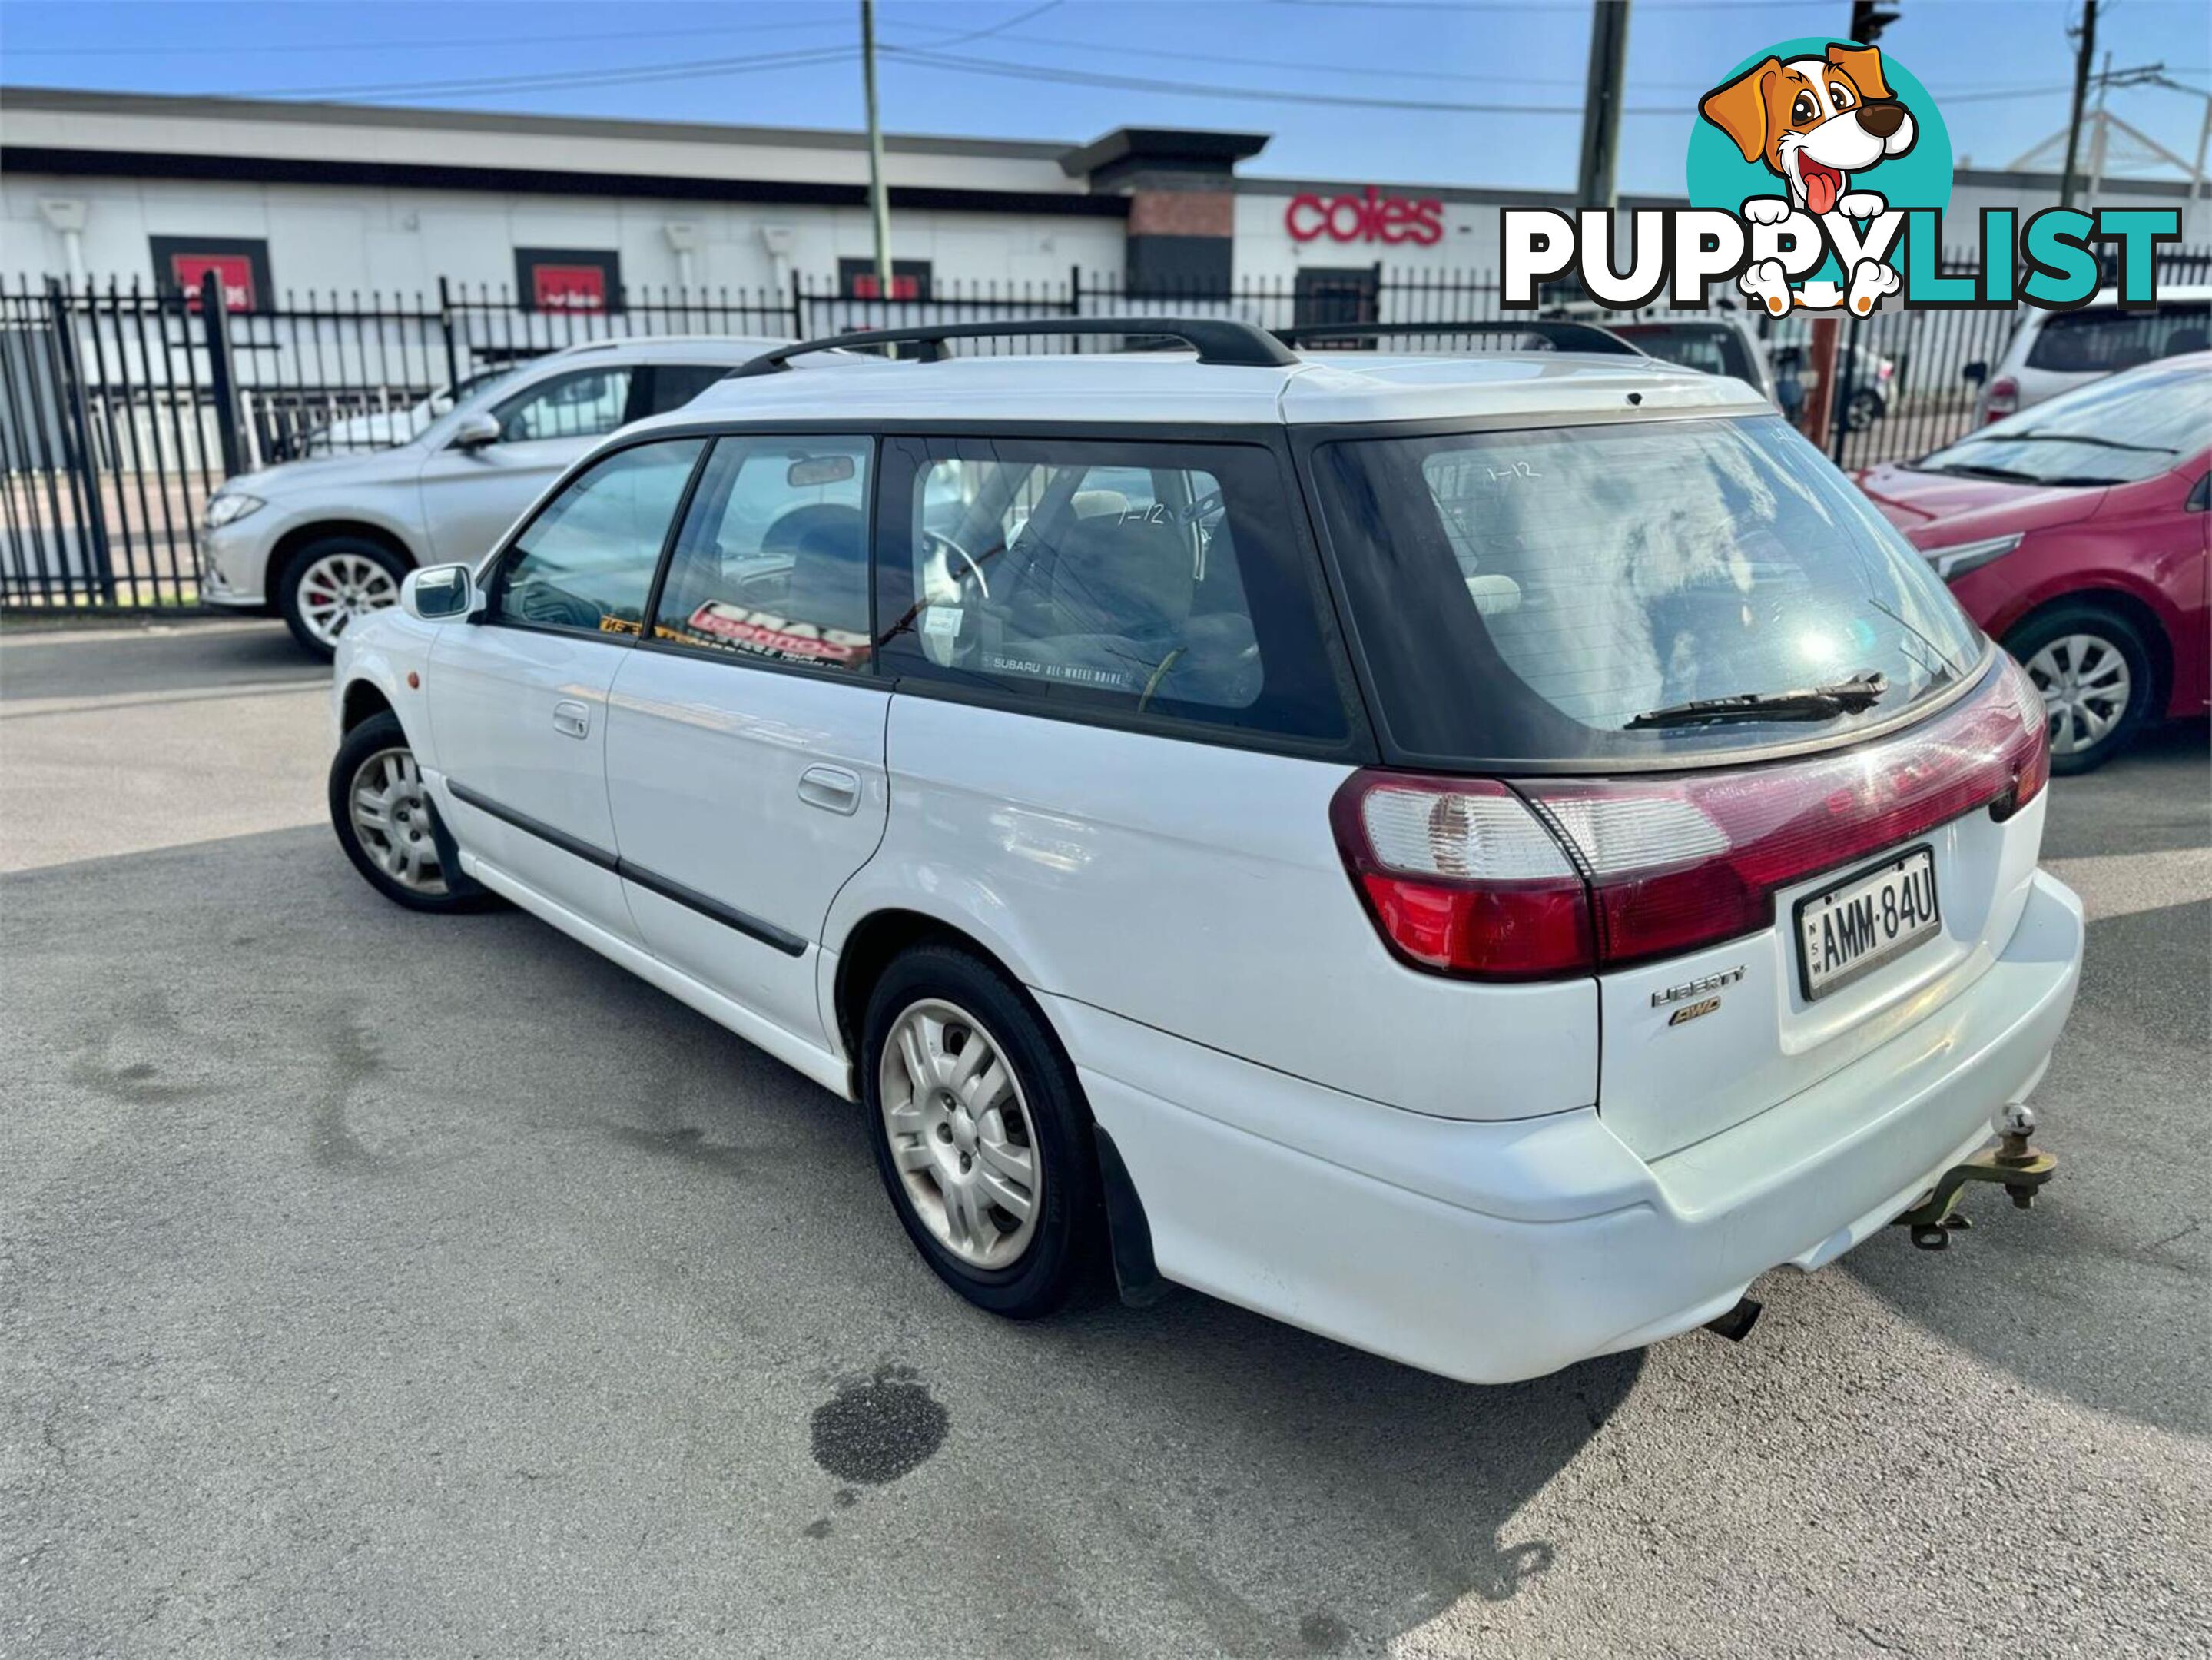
(586, 561)
(588, 404)
(1528, 596)
(671, 385)
(2104, 339)
(1161, 580)
(772, 563)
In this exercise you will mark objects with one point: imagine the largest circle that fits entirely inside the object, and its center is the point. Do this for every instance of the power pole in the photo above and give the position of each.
(1609, 65)
(878, 199)
(2084, 53)
(1869, 20)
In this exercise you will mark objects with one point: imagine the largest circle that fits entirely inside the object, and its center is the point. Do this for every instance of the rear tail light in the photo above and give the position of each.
(1461, 878)
(2002, 399)
(1544, 879)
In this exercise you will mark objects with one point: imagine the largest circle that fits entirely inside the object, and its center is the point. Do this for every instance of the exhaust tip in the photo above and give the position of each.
(1735, 1325)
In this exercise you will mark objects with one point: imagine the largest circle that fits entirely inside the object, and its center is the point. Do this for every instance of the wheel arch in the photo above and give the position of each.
(295, 542)
(2133, 609)
(363, 700)
(871, 945)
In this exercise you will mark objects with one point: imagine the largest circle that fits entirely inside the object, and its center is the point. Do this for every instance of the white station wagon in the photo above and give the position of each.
(1480, 857)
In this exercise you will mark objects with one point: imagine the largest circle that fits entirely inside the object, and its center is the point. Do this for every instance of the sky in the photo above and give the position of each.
(1432, 92)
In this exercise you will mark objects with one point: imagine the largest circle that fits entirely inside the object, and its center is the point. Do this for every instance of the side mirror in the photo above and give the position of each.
(476, 432)
(1975, 373)
(440, 593)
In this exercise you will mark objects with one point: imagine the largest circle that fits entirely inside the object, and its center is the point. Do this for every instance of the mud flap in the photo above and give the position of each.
(1129, 1235)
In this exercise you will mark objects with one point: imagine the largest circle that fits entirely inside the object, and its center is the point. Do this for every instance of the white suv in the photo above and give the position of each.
(323, 542)
(1478, 858)
(2055, 351)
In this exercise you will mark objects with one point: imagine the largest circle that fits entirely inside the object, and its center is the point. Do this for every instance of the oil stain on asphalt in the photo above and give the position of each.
(875, 1432)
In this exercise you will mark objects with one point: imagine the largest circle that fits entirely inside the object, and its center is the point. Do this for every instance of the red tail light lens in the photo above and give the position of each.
(1461, 878)
(2003, 399)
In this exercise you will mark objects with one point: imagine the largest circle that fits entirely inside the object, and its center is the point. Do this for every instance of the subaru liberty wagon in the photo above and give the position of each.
(1481, 857)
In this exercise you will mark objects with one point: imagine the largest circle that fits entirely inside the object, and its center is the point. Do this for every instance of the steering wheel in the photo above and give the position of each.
(942, 545)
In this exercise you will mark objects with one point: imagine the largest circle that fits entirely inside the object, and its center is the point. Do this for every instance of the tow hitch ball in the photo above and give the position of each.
(2013, 1164)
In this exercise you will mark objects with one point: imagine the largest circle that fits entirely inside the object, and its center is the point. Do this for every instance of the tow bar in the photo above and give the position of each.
(2013, 1164)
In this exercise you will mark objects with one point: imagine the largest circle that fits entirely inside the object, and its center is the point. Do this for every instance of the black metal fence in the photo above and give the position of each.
(123, 408)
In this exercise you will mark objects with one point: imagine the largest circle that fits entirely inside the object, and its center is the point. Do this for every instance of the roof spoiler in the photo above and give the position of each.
(1561, 334)
(1215, 339)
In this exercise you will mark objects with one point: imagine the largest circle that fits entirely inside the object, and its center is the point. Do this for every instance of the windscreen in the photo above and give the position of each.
(2118, 431)
(1569, 594)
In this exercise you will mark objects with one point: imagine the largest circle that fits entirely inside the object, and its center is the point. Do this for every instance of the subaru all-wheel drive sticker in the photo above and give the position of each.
(1819, 172)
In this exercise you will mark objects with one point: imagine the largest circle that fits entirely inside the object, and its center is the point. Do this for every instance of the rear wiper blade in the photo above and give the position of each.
(1806, 703)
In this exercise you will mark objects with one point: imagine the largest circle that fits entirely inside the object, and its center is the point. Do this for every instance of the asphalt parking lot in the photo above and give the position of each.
(378, 1283)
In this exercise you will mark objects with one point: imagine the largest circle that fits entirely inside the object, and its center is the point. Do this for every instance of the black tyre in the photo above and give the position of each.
(2096, 676)
(388, 825)
(980, 1132)
(1866, 408)
(333, 582)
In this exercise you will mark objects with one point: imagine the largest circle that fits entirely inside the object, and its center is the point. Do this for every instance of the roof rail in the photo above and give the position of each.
(1215, 339)
(1564, 334)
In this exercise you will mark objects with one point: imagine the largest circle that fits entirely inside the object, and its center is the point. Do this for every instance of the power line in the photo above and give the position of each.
(1001, 68)
(630, 74)
(637, 74)
(1398, 72)
(415, 43)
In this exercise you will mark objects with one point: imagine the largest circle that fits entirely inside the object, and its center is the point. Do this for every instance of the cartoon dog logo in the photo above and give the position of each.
(1814, 122)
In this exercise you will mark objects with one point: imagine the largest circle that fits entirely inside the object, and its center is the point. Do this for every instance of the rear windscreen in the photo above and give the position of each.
(1543, 595)
(2105, 338)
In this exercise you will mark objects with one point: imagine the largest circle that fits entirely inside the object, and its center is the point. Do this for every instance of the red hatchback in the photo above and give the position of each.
(2075, 532)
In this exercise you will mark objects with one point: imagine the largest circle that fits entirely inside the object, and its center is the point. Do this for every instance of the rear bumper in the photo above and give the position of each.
(1490, 1252)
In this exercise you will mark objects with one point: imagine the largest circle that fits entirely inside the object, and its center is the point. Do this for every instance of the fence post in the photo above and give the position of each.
(78, 437)
(445, 323)
(1839, 406)
(1821, 406)
(798, 304)
(222, 374)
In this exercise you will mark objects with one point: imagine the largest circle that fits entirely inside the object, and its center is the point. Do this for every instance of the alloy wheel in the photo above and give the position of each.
(391, 814)
(961, 1136)
(2086, 685)
(338, 589)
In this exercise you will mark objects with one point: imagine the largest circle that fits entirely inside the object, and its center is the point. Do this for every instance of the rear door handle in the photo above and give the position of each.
(571, 719)
(832, 788)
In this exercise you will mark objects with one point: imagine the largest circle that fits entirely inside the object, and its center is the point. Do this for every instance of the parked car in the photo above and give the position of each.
(1714, 345)
(2075, 533)
(376, 430)
(1480, 859)
(1865, 378)
(323, 542)
(2055, 351)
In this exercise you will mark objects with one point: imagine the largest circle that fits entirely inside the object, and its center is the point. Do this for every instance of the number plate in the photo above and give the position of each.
(1865, 920)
